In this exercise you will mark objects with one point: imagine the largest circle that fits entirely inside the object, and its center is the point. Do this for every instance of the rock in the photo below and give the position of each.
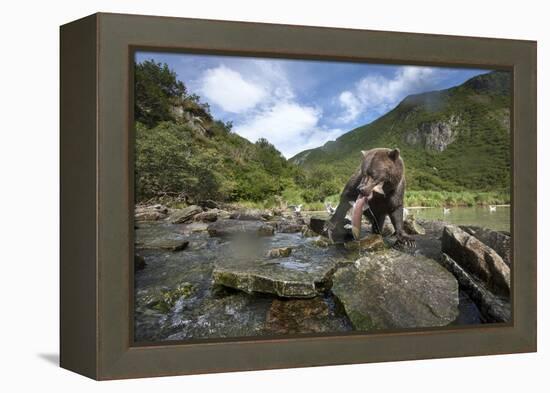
(195, 227)
(166, 298)
(492, 308)
(150, 213)
(295, 277)
(317, 225)
(207, 216)
(307, 232)
(395, 290)
(321, 242)
(184, 215)
(251, 215)
(477, 259)
(279, 252)
(289, 227)
(298, 316)
(266, 230)
(368, 243)
(229, 228)
(412, 227)
(387, 228)
(139, 262)
(164, 244)
(435, 135)
(208, 204)
(498, 241)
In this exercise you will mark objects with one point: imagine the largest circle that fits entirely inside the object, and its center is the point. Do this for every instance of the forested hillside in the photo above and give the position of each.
(451, 140)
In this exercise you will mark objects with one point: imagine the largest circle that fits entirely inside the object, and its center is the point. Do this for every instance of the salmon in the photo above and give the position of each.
(358, 209)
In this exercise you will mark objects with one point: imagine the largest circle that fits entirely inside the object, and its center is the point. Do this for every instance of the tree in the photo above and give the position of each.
(157, 93)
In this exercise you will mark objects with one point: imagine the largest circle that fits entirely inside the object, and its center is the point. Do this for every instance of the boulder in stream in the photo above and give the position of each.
(477, 259)
(279, 252)
(395, 290)
(207, 216)
(184, 215)
(230, 228)
(499, 241)
(412, 227)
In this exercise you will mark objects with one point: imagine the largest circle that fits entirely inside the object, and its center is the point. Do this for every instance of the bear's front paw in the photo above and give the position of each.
(404, 241)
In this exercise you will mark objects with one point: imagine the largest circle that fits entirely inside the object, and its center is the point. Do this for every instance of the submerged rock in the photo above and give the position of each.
(298, 277)
(492, 308)
(279, 252)
(498, 241)
(477, 259)
(412, 227)
(164, 299)
(321, 242)
(368, 243)
(394, 290)
(229, 228)
(301, 316)
(184, 215)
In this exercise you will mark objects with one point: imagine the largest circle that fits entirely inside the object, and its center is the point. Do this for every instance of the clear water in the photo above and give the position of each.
(481, 216)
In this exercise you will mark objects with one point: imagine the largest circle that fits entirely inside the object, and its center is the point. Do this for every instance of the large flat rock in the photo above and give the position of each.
(394, 290)
(290, 277)
(478, 259)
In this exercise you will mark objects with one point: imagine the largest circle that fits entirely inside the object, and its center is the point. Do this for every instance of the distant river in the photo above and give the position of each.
(479, 215)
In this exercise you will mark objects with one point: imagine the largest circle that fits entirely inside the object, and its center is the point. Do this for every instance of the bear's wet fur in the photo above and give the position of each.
(381, 179)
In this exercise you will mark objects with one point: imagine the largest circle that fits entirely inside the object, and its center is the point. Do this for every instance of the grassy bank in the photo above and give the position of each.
(448, 199)
(412, 199)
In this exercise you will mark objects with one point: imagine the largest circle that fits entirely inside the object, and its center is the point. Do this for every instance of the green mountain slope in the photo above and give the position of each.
(456, 139)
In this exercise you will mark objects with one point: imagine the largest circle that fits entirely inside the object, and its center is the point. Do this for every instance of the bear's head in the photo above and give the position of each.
(381, 172)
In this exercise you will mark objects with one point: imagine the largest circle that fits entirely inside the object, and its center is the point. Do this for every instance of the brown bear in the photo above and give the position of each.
(378, 183)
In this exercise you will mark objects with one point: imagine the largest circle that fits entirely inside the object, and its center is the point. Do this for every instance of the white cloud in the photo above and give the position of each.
(289, 126)
(379, 94)
(260, 95)
(351, 105)
(229, 90)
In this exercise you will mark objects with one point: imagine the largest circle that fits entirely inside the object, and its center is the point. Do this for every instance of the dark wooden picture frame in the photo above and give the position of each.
(97, 195)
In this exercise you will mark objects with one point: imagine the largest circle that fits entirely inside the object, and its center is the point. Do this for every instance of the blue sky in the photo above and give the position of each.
(301, 104)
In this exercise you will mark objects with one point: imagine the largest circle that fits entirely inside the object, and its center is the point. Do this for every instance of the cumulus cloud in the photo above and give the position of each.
(287, 124)
(351, 105)
(229, 90)
(378, 94)
(264, 105)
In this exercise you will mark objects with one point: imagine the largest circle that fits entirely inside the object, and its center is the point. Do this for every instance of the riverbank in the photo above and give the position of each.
(413, 199)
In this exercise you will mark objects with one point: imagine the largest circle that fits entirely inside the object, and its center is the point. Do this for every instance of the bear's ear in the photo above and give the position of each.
(364, 153)
(394, 154)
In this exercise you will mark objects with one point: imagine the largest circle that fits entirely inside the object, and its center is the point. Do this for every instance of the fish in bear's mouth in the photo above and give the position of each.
(361, 204)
